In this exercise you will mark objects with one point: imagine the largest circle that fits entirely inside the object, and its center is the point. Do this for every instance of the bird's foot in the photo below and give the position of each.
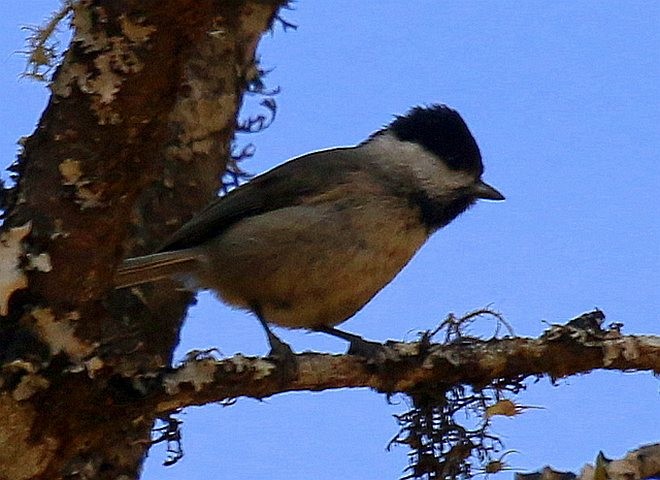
(280, 350)
(282, 354)
(373, 352)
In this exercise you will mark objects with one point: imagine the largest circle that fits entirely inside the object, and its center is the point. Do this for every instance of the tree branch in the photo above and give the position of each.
(559, 352)
(638, 464)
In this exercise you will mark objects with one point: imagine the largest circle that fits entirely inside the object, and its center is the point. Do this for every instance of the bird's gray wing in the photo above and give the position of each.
(291, 183)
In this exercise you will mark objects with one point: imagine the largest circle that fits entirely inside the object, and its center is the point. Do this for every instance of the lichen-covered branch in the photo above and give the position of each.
(638, 464)
(444, 381)
(411, 367)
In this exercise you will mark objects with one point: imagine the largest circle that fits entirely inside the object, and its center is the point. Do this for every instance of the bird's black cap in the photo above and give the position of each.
(440, 130)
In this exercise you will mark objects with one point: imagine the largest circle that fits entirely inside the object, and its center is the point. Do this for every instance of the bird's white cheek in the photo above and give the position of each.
(423, 168)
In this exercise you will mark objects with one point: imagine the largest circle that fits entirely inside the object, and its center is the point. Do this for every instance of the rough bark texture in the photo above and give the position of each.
(409, 368)
(134, 140)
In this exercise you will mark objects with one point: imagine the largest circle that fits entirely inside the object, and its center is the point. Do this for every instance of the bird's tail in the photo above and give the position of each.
(157, 266)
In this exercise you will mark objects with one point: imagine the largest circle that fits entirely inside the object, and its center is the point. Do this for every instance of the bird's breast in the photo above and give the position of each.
(314, 264)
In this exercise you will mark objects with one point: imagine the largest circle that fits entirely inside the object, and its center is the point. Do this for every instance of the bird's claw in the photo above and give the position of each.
(373, 352)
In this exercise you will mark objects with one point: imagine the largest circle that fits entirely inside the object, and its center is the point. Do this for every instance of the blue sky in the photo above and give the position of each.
(564, 101)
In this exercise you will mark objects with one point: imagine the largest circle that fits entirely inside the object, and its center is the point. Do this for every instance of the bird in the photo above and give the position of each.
(308, 243)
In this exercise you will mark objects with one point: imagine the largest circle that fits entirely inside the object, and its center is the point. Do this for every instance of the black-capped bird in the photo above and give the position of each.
(310, 242)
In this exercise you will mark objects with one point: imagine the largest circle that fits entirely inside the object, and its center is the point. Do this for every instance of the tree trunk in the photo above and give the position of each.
(134, 140)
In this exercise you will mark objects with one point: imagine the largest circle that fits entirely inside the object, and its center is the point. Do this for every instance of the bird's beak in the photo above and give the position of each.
(483, 190)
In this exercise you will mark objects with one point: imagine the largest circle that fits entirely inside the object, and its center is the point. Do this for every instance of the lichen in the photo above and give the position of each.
(59, 334)
(12, 277)
(28, 386)
(114, 59)
(197, 373)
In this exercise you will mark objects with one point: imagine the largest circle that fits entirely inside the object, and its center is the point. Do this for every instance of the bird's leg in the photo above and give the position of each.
(358, 345)
(278, 348)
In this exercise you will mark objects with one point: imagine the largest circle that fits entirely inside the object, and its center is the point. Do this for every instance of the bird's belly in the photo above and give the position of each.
(310, 266)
